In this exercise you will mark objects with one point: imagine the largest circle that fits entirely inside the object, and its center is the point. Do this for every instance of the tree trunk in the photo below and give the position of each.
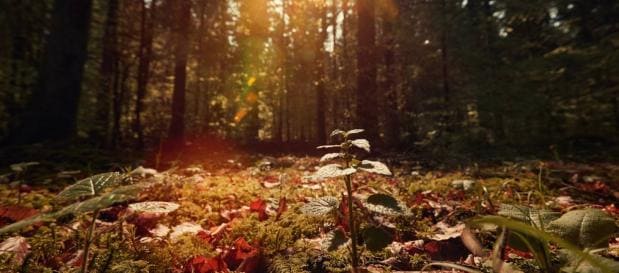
(346, 94)
(143, 74)
(283, 46)
(334, 67)
(392, 118)
(109, 61)
(366, 69)
(177, 125)
(120, 91)
(320, 76)
(446, 119)
(52, 112)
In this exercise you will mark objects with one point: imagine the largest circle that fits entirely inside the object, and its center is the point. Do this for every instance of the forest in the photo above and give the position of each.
(309, 136)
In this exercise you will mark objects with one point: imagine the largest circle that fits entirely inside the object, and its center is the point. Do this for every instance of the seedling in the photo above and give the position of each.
(375, 237)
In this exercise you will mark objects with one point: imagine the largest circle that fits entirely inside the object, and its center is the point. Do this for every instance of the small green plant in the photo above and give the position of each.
(576, 233)
(89, 195)
(374, 235)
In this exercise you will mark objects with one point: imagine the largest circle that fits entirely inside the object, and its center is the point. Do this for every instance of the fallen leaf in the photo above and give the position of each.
(184, 228)
(282, 207)
(243, 256)
(446, 232)
(201, 264)
(12, 214)
(17, 246)
(259, 206)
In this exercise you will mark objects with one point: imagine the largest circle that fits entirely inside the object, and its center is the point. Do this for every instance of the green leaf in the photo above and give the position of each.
(334, 240)
(374, 167)
(586, 228)
(354, 131)
(331, 170)
(528, 230)
(361, 144)
(321, 206)
(337, 132)
(383, 203)
(376, 238)
(26, 222)
(330, 156)
(537, 218)
(154, 207)
(90, 186)
(577, 265)
(328, 146)
(118, 195)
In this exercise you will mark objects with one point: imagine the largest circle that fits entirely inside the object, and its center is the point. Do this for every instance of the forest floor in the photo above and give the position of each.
(249, 214)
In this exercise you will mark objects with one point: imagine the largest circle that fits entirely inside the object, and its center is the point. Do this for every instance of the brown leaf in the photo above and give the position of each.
(17, 246)
(12, 214)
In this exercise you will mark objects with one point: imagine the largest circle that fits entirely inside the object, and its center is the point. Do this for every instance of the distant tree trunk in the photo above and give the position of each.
(202, 86)
(346, 96)
(320, 76)
(120, 91)
(334, 66)
(367, 116)
(392, 118)
(109, 61)
(177, 125)
(16, 76)
(143, 74)
(52, 112)
(446, 117)
(283, 46)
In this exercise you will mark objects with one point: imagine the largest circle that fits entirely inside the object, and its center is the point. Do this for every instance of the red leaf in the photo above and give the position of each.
(260, 207)
(452, 250)
(282, 207)
(523, 254)
(243, 256)
(205, 236)
(201, 264)
(12, 214)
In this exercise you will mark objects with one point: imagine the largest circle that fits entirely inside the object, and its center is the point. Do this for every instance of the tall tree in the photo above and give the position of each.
(320, 77)
(367, 117)
(144, 58)
(177, 125)
(392, 119)
(109, 67)
(52, 112)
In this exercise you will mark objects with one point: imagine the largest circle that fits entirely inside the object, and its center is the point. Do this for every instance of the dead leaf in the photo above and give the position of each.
(17, 246)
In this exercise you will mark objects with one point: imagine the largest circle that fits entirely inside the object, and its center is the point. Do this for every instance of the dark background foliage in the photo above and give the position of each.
(447, 78)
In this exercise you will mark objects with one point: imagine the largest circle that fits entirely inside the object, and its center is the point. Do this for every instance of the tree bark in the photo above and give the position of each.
(177, 125)
(321, 59)
(392, 118)
(109, 61)
(52, 112)
(143, 74)
(367, 116)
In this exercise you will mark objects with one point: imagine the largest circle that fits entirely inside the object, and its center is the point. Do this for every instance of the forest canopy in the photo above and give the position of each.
(440, 76)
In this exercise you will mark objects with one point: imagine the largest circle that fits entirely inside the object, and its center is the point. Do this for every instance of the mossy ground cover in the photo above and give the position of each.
(244, 215)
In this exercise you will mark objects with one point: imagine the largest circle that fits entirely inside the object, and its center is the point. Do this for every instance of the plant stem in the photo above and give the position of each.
(88, 241)
(539, 184)
(351, 224)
